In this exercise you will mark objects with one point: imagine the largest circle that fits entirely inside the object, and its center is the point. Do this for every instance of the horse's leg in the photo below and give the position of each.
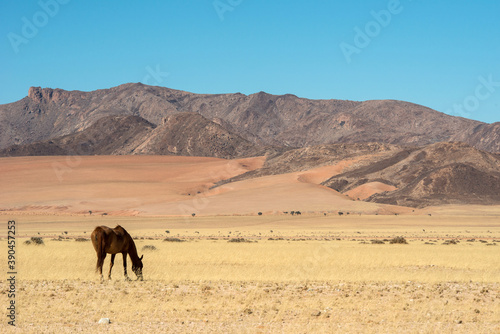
(125, 266)
(111, 265)
(100, 263)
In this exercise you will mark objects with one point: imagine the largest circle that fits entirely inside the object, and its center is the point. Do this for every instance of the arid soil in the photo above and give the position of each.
(311, 274)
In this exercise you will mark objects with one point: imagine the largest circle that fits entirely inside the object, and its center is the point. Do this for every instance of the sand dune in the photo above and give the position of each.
(366, 190)
(299, 191)
(109, 183)
(165, 185)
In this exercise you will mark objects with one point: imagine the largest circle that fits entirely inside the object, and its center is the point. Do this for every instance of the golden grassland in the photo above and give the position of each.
(312, 273)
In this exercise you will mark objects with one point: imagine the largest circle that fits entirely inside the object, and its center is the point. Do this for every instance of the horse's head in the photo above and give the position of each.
(137, 269)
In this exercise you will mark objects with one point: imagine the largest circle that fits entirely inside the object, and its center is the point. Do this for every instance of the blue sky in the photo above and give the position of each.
(443, 54)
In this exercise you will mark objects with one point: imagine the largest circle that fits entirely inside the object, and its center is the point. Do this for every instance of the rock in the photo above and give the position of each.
(104, 321)
(316, 313)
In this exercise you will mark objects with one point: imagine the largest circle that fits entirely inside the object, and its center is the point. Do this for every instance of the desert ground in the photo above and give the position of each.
(229, 270)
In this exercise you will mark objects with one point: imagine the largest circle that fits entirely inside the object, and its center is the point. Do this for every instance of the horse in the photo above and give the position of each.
(114, 241)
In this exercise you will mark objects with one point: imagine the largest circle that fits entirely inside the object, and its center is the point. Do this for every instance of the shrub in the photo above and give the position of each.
(35, 241)
(82, 239)
(149, 248)
(173, 240)
(378, 242)
(398, 240)
(239, 240)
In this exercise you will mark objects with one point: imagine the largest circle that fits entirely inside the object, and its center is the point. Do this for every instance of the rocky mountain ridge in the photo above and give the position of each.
(261, 118)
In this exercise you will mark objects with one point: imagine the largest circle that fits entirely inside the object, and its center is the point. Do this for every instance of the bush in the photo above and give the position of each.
(173, 240)
(378, 242)
(398, 240)
(35, 241)
(149, 248)
(239, 240)
(82, 239)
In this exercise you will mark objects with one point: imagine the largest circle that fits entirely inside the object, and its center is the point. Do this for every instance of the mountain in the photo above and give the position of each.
(442, 173)
(188, 134)
(261, 118)
(109, 135)
(484, 137)
(191, 134)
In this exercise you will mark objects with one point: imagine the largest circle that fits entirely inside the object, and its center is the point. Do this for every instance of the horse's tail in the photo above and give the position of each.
(98, 241)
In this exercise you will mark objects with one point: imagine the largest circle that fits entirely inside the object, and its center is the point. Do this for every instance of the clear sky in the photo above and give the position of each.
(444, 54)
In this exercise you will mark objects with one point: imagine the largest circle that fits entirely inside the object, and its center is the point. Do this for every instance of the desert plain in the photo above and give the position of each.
(229, 269)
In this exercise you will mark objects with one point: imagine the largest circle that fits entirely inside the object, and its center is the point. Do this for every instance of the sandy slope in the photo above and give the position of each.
(164, 185)
(366, 190)
(298, 191)
(109, 183)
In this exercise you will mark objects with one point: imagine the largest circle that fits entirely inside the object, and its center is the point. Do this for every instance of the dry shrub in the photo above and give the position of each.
(398, 240)
(35, 241)
(240, 240)
(173, 240)
(149, 248)
(378, 242)
(81, 239)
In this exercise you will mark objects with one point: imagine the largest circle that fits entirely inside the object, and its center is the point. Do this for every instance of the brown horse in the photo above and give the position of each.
(114, 241)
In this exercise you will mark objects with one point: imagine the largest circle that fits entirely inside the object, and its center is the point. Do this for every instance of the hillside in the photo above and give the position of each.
(484, 136)
(190, 134)
(261, 118)
(303, 159)
(443, 173)
(108, 135)
(186, 134)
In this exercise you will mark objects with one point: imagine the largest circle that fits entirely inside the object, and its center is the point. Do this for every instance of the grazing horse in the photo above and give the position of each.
(114, 241)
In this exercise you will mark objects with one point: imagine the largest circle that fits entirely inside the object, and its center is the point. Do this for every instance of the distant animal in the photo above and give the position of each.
(114, 241)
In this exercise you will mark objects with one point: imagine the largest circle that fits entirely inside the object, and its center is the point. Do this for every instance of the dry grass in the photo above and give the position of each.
(317, 277)
(274, 261)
